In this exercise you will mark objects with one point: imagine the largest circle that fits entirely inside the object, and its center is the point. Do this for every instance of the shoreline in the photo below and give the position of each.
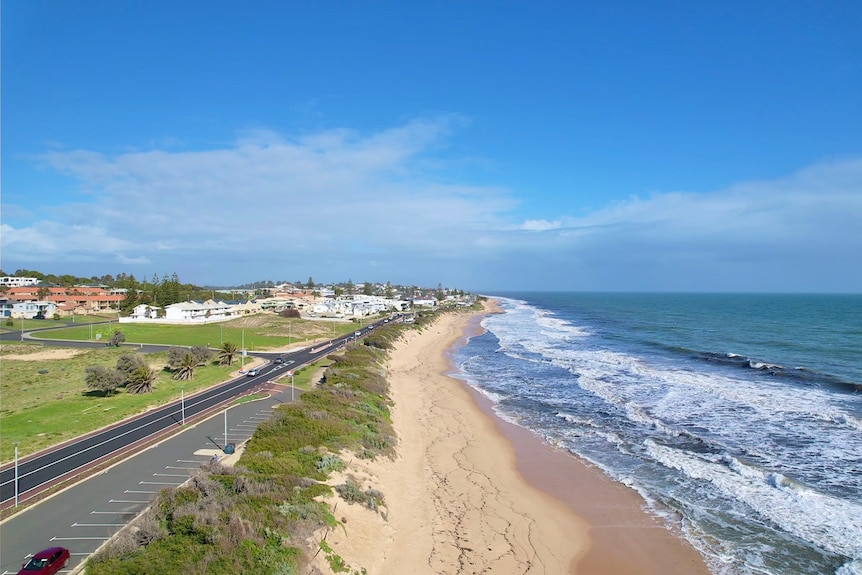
(469, 492)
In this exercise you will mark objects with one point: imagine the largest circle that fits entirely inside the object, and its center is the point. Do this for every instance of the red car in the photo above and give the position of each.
(46, 562)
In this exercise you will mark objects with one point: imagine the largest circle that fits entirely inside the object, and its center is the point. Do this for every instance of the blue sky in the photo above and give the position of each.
(663, 146)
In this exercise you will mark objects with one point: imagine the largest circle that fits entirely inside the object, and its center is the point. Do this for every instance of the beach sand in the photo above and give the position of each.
(471, 493)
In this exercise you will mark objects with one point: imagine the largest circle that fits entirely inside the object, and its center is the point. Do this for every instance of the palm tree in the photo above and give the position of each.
(141, 380)
(186, 367)
(227, 353)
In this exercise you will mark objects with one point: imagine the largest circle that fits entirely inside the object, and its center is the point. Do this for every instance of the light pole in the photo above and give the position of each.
(225, 427)
(16, 474)
(221, 335)
(183, 404)
(22, 328)
(242, 353)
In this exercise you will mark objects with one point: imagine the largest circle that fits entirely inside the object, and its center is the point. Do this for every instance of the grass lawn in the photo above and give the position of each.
(14, 325)
(45, 401)
(259, 332)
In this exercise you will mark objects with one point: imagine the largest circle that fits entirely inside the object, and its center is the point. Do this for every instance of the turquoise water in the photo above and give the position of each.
(738, 418)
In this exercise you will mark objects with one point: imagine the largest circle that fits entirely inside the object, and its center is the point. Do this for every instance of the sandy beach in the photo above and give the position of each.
(471, 493)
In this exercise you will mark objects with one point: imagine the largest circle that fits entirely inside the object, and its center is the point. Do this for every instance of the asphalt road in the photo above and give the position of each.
(85, 515)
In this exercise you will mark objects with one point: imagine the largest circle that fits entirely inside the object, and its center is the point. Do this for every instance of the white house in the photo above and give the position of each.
(13, 281)
(10, 308)
(145, 311)
(197, 312)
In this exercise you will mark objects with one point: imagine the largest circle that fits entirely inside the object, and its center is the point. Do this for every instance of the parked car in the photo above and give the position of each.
(46, 562)
(252, 372)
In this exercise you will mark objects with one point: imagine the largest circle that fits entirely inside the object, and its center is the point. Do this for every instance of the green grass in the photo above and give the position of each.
(46, 402)
(259, 332)
(31, 324)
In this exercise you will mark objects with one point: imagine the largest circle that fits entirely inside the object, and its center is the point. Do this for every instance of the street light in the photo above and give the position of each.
(16, 474)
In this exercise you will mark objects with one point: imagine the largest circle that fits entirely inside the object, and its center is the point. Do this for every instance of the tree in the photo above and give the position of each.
(227, 353)
(129, 362)
(43, 293)
(102, 379)
(117, 338)
(310, 283)
(202, 354)
(185, 368)
(388, 293)
(367, 288)
(141, 380)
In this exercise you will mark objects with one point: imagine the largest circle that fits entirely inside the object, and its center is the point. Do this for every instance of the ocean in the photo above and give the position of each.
(737, 418)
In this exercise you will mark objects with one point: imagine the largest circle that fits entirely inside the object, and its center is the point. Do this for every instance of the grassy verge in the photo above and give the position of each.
(46, 402)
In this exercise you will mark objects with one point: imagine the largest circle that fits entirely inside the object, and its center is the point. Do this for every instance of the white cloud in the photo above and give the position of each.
(540, 225)
(352, 201)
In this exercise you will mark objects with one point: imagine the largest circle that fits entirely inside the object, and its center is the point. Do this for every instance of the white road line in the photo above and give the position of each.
(173, 467)
(79, 538)
(133, 491)
(191, 461)
(111, 512)
(159, 483)
(125, 501)
(170, 475)
(98, 524)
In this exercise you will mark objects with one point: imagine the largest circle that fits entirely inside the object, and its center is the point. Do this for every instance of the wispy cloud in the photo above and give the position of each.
(380, 202)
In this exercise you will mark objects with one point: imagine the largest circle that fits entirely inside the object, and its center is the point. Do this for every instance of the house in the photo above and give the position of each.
(197, 312)
(145, 311)
(12, 281)
(79, 299)
(14, 309)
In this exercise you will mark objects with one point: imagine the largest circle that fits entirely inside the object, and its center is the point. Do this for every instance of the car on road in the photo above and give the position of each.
(46, 562)
(279, 359)
(252, 372)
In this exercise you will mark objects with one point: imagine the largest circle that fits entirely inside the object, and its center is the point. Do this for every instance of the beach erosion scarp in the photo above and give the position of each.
(471, 493)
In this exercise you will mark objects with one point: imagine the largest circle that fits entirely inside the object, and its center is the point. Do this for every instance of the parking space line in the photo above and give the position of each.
(170, 475)
(79, 538)
(125, 501)
(133, 491)
(158, 483)
(98, 524)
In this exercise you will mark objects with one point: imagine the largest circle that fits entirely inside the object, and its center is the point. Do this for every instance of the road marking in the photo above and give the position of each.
(125, 501)
(98, 524)
(133, 491)
(112, 512)
(79, 538)
(191, 461)
(169, 475)
(158, 483)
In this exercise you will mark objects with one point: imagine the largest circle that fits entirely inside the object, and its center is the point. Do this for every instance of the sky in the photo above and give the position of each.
(487, 146)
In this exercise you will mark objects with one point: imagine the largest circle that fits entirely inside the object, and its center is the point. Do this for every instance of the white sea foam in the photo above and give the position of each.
(830, 523)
